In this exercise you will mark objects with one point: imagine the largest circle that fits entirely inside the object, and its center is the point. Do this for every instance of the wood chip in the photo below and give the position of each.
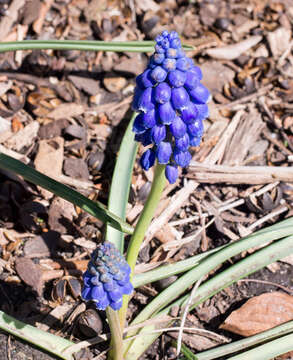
(8, 20)
(30, 273)
(279, 41)
(231, 52)
(54, 316)
(218, 151)
(49, 158)
(23, 138)
(246, 134)
(239, 174)
(66, 110)
(114, 84)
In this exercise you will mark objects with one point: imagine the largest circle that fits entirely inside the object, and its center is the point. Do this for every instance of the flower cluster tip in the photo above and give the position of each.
(107, 278)
(171, 103)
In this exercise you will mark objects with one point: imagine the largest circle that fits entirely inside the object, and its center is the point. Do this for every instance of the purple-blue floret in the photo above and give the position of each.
(172, 104)
(107, 278)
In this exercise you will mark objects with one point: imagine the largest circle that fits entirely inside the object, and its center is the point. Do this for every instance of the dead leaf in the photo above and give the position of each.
(260, 313)
(30, 273)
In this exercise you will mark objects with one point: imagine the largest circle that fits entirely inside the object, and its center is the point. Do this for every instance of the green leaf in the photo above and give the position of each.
(84, 45)
(121, 181)
(44, 340)
(165, 271)
(269, 350)
(210, 263)
(187, 352)
(96, 209)
(243, 344)
(245, 267)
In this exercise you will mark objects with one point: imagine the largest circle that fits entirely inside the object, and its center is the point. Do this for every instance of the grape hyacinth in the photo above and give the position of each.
(107, 277)
(171, 103)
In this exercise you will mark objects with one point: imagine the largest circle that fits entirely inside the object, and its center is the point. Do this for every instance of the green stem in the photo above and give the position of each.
(84, 45)
(141, 227)
(116, 351)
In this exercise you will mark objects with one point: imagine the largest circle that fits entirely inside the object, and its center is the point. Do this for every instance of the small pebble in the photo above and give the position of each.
(222, 23)
(89, 323)
(114, 84)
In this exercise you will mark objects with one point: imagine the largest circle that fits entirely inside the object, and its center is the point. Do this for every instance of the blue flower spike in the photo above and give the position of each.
(172, 104)
(107, 278)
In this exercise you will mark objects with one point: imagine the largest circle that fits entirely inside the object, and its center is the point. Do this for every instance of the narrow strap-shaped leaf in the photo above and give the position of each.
(269, 350)
(207, 265)
(116, 46)
(96, 209)
(243, 268)
(44, 340)
(245, 343)
(120, 185)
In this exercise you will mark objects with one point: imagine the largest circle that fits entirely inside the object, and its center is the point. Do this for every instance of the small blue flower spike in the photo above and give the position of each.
(107, 278)
(172, 104)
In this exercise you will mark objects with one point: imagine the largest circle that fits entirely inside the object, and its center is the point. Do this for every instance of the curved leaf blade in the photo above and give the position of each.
(120, 186)
(96, 209)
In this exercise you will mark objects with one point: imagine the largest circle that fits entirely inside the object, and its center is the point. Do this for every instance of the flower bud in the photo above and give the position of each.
(180, 97)
(202, 110)
(182, 64)
(178, 127)
(182, 144)
(182, 158)
(162, 93)
(159, 58)
(148, 159)
(144, 80)
(148, 119)
(176, 78)
(164, 152)
(146, 101)
(158, 133)
(138, 127)
(189, 113)
(169, 64)
(103, 289)
(200, 94)
(195, 129)
(194, 141)
(158, 74)
(192, 80)
(171, 173)
(166, 113)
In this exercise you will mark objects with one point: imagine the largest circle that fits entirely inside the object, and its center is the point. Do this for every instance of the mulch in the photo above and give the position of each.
(65, 112)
